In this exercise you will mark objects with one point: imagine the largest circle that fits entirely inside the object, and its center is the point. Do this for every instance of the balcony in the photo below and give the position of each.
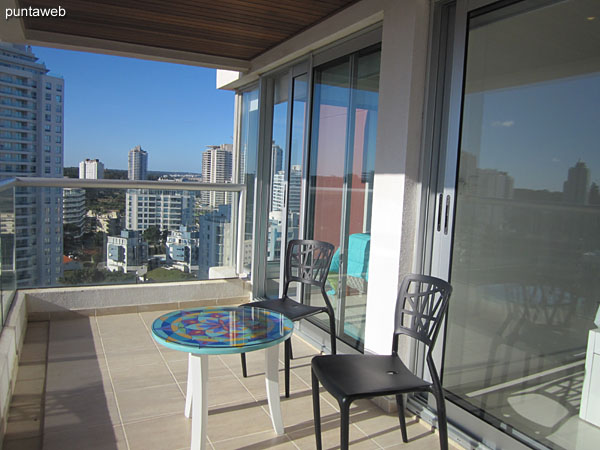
(109, 385)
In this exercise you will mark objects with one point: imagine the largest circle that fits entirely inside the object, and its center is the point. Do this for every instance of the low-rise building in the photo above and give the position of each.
(127, 252)
(183, 249)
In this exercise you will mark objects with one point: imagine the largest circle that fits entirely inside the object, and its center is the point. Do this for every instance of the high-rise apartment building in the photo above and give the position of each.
(137, 164)
(577, 186)
(215, 240)
(73, 212)
(295, 188)
(217, 168)
(31, 145)
(167, 210)
(91, 169)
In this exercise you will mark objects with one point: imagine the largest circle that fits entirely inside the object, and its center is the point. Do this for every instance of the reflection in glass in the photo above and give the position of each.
(278, 186)
(247, 168)
(8, 283)
(526, 251)
(341, 180)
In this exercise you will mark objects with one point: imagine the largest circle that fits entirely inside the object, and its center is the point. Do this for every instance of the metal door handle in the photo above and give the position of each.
(440, 208)
(447, 215)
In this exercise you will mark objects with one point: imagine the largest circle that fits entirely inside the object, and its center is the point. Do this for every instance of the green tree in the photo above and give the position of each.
(152, 235)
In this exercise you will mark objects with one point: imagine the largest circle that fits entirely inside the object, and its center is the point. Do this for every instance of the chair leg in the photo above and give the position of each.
(332, 333)
(400, 403)
(288, 349)
(244, 370)
(344, 423)
(316, 409)
(442, 421)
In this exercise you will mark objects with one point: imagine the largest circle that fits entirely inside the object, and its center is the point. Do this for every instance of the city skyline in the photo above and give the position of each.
(115, 103)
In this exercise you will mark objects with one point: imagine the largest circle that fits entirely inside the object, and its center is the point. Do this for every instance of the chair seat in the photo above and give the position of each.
(361, 376)
(288, 307)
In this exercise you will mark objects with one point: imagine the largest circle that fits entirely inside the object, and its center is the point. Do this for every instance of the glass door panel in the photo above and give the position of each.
(296, 159)
(331, 104)
(341, 181)
(526, 246)
(278, 186)
(360, 169)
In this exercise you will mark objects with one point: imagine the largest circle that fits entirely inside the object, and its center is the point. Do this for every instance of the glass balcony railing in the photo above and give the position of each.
(99, 232)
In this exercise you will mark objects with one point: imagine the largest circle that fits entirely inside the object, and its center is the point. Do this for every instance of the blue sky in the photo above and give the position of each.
(113, 104)
(536, 132)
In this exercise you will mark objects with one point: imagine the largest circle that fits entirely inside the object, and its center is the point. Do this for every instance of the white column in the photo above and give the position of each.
(272, 382)
(396, 185)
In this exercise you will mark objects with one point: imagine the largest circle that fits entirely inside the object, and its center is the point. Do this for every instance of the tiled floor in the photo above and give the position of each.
(107, 385)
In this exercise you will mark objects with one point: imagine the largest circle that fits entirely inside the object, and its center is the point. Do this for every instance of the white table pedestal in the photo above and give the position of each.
(196, 402)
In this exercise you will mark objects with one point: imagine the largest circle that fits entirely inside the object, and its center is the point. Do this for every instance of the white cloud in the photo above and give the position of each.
(505, 123)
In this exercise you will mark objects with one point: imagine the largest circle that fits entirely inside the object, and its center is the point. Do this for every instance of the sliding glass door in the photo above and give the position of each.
(285, 172)
(518, 228)
(342, 155)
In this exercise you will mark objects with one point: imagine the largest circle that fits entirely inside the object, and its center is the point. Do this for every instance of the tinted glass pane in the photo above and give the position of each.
(526, 254)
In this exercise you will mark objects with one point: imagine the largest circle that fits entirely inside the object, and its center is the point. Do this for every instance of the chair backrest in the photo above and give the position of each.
(307, 261)
(420, 307)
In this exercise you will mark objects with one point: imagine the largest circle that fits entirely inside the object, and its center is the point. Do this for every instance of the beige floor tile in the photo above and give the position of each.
(148, 403)
(257, 441)
(256, 385)
(80, 407)
(70, 329)
(304, 438)
(133, 343)
(229, 422)
(32, 443)
(33, 352)
(172, 355)
(105, 437)
(148, 317)
(152, 375)
(22, 425)
(74, 348)
(168, 433)
(133, 359)
(70, 375)
(297, 411)
(31, 371)
(36, 332)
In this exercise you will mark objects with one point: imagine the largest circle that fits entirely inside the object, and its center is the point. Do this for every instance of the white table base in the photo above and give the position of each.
(197, 388)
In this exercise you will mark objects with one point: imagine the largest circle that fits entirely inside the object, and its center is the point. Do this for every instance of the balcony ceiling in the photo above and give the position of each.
(235, 29)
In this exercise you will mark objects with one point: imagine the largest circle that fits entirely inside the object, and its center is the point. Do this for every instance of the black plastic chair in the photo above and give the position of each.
(421, 305)
(307, 262)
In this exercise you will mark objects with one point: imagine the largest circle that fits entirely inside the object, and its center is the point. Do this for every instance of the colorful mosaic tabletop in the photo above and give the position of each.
(221, 329)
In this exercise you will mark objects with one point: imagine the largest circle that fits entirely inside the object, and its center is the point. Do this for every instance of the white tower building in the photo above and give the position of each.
(91, 169)
(138, 164)
(217, 168)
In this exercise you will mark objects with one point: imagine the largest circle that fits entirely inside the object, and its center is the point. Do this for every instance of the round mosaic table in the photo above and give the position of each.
(220, 330)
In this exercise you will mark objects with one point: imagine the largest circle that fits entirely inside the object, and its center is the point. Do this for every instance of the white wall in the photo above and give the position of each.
(88, 299)
(11, 343)
(396, 186)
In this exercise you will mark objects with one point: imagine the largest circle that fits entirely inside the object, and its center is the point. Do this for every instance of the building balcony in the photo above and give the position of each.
(101, 379)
